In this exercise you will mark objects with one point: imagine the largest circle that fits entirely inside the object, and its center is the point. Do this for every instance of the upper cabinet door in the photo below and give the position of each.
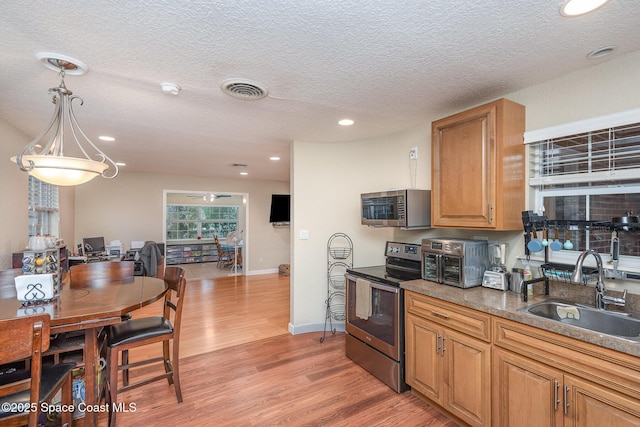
(478, 178)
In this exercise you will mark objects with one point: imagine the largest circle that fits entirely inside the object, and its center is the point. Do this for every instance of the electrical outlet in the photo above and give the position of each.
(413, 153)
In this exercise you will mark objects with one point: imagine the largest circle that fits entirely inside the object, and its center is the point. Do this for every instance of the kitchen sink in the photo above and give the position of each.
(602, 321)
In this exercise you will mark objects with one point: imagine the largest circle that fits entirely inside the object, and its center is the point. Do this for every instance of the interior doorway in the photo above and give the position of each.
(193, 219)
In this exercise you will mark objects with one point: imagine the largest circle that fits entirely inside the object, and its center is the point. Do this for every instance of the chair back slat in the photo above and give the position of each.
(27, 338)
(20, 337)
(173, 276)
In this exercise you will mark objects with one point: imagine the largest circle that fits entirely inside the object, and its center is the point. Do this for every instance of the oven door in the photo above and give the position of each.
(431, 269)
(383, 329)
(452, 270)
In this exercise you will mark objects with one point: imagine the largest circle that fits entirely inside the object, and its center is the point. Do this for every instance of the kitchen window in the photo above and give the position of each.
(193, 222)
(589, 170)
(43, 213)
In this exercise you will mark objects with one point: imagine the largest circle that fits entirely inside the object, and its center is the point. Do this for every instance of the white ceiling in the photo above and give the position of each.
(388, 65)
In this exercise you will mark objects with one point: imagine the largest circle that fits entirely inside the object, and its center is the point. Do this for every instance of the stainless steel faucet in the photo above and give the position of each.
(601, 300)
(576, 277)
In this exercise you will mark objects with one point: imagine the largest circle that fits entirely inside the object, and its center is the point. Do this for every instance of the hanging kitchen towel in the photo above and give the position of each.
(363, 299)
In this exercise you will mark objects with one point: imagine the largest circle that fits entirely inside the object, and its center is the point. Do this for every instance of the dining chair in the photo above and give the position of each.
(21, 339)
(139, 332)
(225, 258)
(98, 274)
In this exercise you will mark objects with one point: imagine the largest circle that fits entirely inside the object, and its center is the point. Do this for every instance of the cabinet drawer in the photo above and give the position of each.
(453, 316)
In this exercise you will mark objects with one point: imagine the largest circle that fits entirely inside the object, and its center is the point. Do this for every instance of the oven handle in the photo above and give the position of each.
(377, 285)
(440, 268)
(400, 268)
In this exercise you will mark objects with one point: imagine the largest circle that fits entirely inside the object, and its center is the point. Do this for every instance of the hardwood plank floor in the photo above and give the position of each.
(239, 366)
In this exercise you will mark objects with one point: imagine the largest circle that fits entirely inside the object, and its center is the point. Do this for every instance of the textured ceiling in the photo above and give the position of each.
(387, 65)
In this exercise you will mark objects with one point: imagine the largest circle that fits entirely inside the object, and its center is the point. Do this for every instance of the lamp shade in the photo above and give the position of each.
(44, 157)
(64, 171)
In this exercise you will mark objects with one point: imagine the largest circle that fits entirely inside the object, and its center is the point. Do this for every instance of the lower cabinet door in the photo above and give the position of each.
(526, 393)
(468, 378)
(591, 405)
(423, 364)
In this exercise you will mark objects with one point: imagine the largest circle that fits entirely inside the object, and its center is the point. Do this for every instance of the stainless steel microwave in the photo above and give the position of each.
(408, 208)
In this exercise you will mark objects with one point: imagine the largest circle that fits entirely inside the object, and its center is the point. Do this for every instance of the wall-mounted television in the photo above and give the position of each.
(280, 208)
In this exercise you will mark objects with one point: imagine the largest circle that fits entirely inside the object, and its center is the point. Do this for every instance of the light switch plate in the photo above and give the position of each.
(304, 234)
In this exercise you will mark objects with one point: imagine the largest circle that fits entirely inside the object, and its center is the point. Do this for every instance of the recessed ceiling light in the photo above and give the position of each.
(602, 52)
(121, 164)
(170, 88)
(274, 158)
(345, 122)
(572, 8)
(106, 138)
(244, 173)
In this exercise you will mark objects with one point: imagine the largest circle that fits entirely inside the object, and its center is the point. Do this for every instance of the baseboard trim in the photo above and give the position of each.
(258, 272)
(314, 327)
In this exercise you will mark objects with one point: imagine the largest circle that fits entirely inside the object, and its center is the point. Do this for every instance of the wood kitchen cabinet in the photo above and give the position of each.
(446, 364)
(527, 392)
(595, 406)
(545, 379)
(478, 168)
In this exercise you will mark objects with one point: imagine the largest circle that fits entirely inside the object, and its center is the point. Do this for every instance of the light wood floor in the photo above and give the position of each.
(239, 366)
(208, 270)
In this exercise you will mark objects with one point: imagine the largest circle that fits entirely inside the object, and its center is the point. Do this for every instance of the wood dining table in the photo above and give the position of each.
(88, 309)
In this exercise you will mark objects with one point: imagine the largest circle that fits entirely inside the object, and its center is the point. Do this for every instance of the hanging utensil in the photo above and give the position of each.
(626, 220)
(567, 243)
(534, 245)
(544, 242)
(556, 245)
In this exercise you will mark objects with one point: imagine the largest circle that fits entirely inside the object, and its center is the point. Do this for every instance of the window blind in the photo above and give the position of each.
(610, 154)
(43, 208)
(42, 196)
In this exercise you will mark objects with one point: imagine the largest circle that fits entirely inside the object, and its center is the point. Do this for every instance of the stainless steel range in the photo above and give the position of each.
(375, 313)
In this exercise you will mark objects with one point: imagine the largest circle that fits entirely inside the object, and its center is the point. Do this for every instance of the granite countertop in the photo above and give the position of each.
(506, 303)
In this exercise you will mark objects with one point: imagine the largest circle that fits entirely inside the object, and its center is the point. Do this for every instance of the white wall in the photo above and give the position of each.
(328, 178)
(13, 190)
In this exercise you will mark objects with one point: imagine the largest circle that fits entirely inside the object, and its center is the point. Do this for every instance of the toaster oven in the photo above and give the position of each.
(455, 262)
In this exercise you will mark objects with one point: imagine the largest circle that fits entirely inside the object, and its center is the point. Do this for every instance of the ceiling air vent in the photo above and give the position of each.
(247, 90)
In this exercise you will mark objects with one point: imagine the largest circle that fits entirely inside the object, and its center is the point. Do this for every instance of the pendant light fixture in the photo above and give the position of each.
(44, 157)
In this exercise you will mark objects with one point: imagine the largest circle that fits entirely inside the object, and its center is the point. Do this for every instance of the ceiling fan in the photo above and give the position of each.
(208, 197)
